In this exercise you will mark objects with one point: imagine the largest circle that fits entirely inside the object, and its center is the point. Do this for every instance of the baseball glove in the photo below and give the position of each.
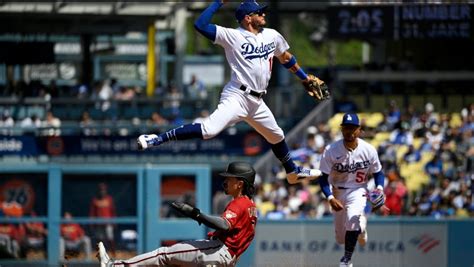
(376, 198)
(187, 210)
(316, 88)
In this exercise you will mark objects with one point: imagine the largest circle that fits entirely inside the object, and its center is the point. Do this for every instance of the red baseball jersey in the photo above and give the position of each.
(72, 231)
(241, 215)
(104, 207)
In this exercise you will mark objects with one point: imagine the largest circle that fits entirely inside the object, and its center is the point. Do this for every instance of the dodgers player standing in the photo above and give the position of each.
(235, 229)
(249, 50)
(345, 165)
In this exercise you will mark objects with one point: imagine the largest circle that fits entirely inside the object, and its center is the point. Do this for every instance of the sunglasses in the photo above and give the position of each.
(259, 13)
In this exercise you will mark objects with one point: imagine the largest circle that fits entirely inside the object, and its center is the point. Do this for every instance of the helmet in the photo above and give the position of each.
(241, 170)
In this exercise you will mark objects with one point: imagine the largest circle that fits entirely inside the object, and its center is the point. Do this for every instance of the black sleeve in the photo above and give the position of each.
(215, 222)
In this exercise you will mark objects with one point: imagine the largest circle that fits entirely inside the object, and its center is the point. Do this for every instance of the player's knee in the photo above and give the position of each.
(276, 137)
(209, 131)
(353, 224)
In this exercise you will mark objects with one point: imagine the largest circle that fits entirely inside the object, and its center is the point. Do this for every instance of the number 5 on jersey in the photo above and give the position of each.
(360, 177)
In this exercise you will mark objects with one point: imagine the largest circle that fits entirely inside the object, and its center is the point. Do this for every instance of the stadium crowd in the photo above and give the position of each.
(427, 158)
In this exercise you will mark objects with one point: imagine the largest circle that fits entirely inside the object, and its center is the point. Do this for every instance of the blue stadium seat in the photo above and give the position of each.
(96, 114)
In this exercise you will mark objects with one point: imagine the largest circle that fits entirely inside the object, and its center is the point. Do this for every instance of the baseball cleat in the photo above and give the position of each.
(104, 259)
(345, 262)
(145, 141)
(302, 173)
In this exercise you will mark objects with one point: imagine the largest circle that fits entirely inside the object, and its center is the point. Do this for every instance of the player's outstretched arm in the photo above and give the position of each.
(203, 22)
(214, 222)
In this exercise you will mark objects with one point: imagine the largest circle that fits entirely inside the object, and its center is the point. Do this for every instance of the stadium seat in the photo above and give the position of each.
(146, 111)
(129, 113)
(96, 114)
(374, 119)
(456, 120)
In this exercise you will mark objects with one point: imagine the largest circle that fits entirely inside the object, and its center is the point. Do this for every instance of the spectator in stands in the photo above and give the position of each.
(102, 94)
(434, 168)
(401, 135)
(393, 114)
(275, 214)
(102, 206)
(35, 236)
(7, 122)
(435, 136)
(52, 123)
(11, 235)
(73, 238)
(87, 124)
(156, 120)
(125, 94)
(395, 193)
(31, 122)
(412, 155)
(196, 90)
(431, 117)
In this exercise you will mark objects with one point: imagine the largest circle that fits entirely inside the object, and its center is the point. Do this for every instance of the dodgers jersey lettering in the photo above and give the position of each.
(250, 56)
(350, 169)
(241, 214)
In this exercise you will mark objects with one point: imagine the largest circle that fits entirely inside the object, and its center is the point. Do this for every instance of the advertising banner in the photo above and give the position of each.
(405, 244)
(247, 144)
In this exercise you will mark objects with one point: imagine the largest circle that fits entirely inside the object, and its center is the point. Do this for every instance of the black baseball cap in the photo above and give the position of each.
(241, 170)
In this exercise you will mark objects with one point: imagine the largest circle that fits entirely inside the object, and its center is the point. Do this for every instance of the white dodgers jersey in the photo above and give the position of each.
(250, 56)
(350, 169)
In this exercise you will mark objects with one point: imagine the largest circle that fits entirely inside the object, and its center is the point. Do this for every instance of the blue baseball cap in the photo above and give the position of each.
(248, 7)
(350, 119)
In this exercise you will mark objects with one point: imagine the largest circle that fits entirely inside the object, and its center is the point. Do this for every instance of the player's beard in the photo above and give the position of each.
(258, 24)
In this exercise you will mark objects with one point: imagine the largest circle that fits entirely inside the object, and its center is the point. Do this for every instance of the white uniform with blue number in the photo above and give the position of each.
(250, 58)
(348, 176)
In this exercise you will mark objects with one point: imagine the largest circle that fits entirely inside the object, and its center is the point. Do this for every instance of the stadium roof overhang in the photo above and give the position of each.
(61, 17)
(115, 17)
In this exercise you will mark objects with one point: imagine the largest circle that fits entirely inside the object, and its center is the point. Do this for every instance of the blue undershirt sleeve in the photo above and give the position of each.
(379, 178)
(324, 184)
(202, 24)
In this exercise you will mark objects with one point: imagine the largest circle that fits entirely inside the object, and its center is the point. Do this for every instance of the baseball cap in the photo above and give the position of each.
(241, 170)
(350, 119)
(248, 7)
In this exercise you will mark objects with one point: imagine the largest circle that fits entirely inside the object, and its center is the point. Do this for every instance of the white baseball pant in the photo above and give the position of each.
(351, 218)
(234, 106)
(190, 253)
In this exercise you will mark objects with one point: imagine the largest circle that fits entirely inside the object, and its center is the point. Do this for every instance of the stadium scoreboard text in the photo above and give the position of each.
(401, 22)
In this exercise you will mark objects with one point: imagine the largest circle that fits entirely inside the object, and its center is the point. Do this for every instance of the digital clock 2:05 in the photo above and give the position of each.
(368, 21)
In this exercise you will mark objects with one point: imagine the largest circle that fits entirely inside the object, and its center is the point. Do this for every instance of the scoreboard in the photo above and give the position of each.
(442, 21)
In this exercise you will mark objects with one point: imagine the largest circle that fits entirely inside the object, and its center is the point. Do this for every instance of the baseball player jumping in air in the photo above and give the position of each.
(249, 50)
(346, 165)
(235, 229)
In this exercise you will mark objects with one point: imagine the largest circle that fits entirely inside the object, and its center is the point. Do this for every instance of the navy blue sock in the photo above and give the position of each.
(350, 243)
(188, 131)
(282, 152)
